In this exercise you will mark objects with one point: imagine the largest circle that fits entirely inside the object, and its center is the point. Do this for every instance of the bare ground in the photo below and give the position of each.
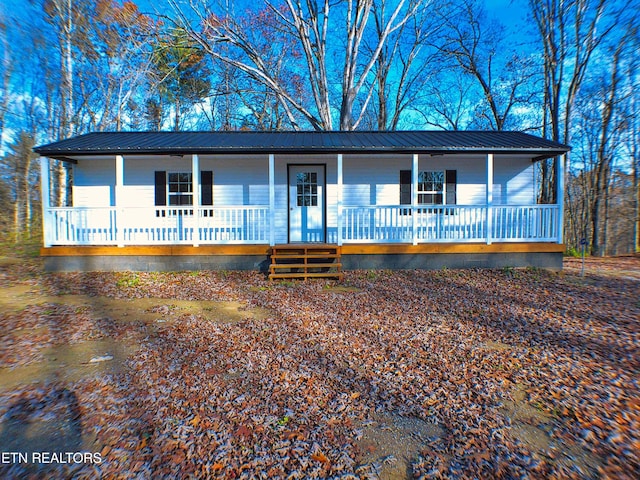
(447, 374)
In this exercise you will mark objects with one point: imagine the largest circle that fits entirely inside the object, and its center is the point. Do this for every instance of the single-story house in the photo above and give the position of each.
(226, 200)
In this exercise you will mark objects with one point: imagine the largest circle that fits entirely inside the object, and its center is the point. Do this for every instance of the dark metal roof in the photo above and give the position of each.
(438, 142)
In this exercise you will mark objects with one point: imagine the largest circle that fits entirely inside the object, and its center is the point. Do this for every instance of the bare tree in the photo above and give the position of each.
(5, 69)
(633, 127)
(477, 46)
(570, 33)
(19, 161)
(634, 151)
(62, 15)
(118, 60)
(602, 125)
(449, 101)
(225, 38)
(405, 63)
(309, 25)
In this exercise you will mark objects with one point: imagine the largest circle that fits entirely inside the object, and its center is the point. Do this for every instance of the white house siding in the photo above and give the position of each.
(139, 188)
(238, 180)
(471, 175)
(513, 178)
(514, 181)
(243, 180)
(373, 180)
(93, 183)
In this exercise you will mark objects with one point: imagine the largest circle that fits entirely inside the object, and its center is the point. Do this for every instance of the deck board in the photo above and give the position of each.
(347, 249)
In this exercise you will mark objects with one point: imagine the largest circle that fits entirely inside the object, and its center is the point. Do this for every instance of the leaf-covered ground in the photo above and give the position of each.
(428, 374)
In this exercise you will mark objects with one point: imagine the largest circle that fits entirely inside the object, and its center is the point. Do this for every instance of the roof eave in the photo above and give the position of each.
(540, 154)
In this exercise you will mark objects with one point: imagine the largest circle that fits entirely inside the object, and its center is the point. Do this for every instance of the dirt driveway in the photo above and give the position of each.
(444, 374)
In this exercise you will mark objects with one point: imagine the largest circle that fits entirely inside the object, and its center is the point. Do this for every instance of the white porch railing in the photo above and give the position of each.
(401, 223)
(157, 225)
(526, 223)
(250, 225)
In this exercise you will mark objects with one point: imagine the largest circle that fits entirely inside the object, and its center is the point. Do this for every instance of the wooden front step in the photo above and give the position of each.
(305, 261)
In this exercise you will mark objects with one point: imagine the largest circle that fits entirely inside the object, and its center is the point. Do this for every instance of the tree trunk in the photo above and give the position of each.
(605, 223)
(6, 75)
(64, 12)
(635, 165)
(595, 227)
(176, 119)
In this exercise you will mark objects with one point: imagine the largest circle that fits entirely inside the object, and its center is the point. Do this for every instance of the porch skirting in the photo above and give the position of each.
(256, 257)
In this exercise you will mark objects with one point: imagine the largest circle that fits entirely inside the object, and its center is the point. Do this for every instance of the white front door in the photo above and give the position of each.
(306, 203)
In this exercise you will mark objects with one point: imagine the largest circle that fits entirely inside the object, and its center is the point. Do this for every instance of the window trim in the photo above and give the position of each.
(435, 193)
(449, 190)
(161, 188)
(187, 194)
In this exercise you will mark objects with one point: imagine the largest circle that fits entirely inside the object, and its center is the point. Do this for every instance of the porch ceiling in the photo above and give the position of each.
(184, 143)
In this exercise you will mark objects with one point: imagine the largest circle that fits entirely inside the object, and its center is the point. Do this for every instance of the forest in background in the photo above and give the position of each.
(566, 71)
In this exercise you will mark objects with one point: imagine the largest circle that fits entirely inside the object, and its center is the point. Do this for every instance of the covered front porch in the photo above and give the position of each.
(340, 221)
(251, 225)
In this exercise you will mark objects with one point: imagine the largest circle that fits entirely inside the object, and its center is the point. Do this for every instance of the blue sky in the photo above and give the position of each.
(508, 11)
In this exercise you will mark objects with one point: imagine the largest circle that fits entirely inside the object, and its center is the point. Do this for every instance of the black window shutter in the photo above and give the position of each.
(405, 187)
(451, 178)
(161, 188)
(206, 186)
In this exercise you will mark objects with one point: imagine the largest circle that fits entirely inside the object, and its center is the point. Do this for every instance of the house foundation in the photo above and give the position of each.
(257, 257)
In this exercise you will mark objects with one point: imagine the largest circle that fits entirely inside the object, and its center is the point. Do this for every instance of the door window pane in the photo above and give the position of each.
(307, 189)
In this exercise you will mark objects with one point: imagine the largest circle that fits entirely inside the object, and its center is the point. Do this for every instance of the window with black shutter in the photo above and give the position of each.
(434, 187)
(176, 189)
(206, 191)
(405, 187)
(451, 177)
(206, 188)
(160, 189)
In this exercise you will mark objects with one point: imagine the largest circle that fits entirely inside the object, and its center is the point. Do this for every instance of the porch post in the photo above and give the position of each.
(339, 185)
(414, 199)
(45, 200)
(119, 223)
(272, 200)
(560, 165)
(489, 197)
(195, 188)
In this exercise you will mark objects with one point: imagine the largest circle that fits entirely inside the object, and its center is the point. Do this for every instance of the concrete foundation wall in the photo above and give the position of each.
(164, 263)
(427, 261)
(155, 263)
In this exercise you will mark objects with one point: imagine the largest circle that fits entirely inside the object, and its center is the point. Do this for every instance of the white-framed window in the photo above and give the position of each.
(431, 187)
(179, 188)
(435, 187)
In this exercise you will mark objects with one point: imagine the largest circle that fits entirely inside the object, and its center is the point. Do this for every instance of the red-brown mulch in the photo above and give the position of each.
(291, 395)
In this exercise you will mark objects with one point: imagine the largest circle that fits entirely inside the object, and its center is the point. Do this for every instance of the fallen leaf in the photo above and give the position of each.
(195, 421)
(319, 457)
(243, 432)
